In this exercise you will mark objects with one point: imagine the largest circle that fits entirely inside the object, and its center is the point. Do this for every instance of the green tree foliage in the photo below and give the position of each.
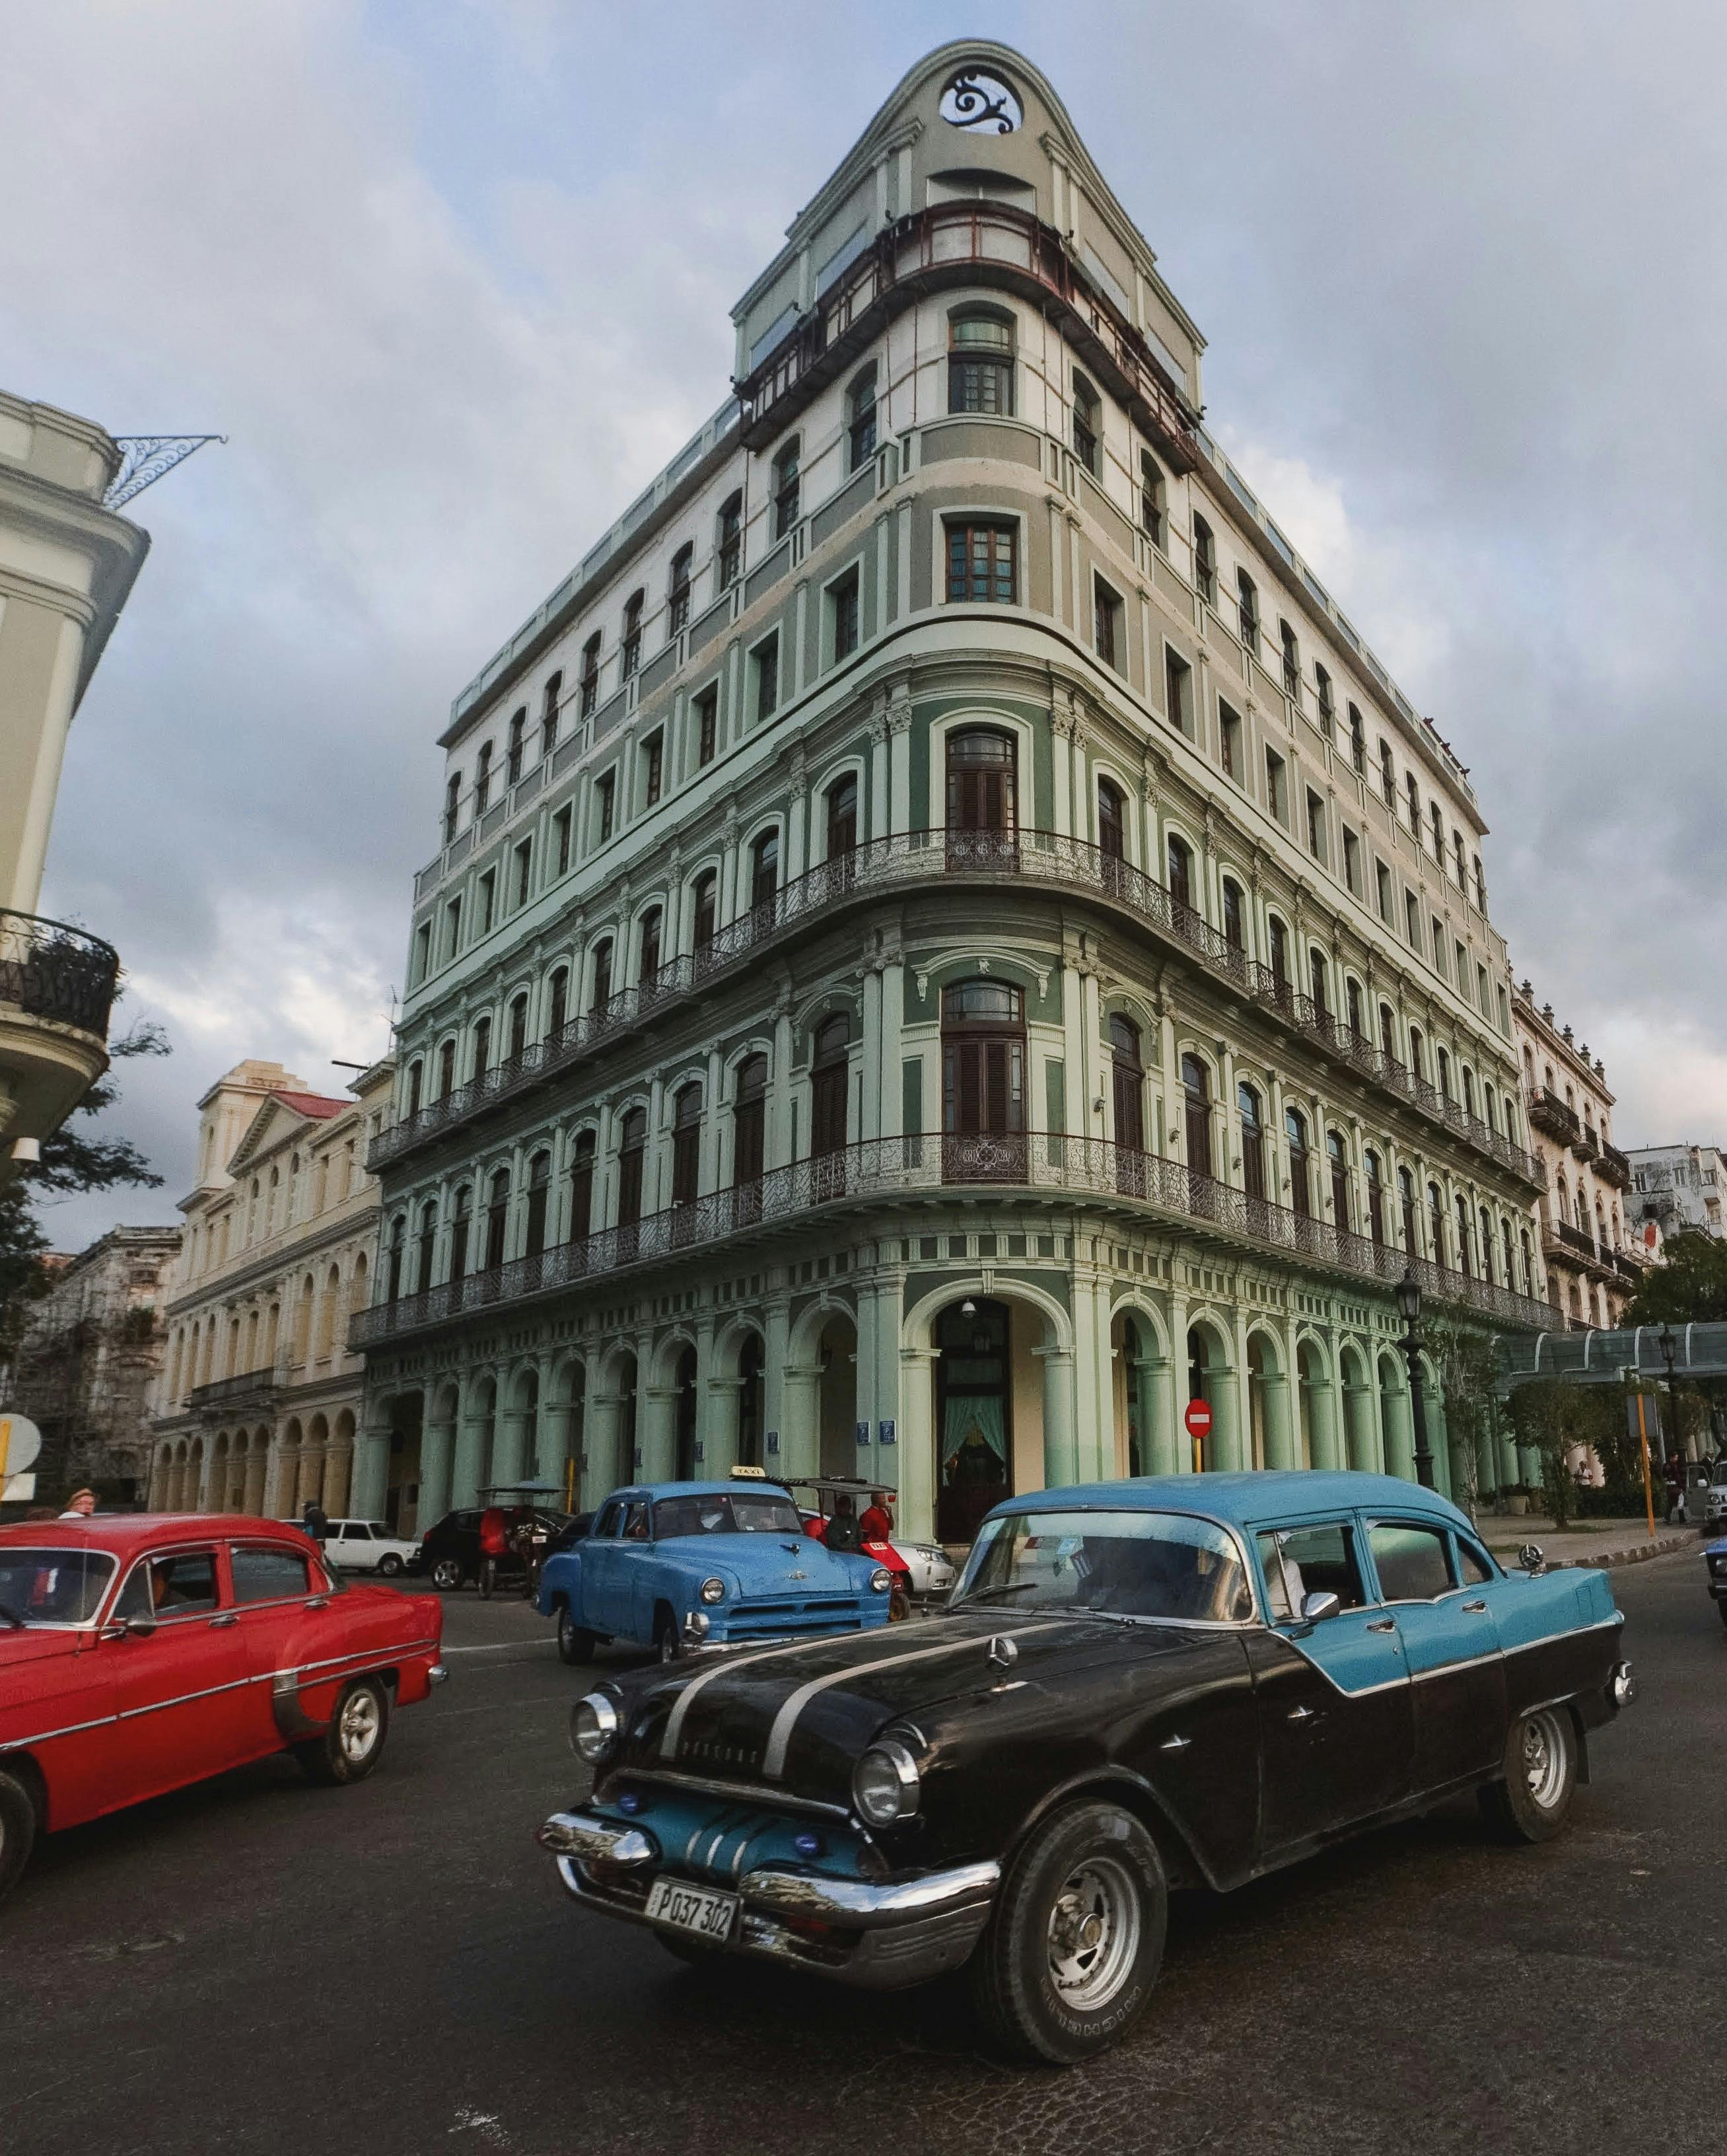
(1552, 1418)
(74, 1159)
(1467, 1364)
(1690, 1288)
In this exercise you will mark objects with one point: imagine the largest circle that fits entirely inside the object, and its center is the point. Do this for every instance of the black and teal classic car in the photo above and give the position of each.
(1137, 1686)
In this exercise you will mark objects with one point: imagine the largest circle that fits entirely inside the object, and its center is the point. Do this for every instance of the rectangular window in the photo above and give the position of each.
(1277, 791)
(1229, 736)
(524, 870)
(1205, 561)
(653, 753)
(765, 663)
(1106, 624)
(1412, 920)
(981, 563)
(1382, 878)
(1352, 862)
(1461, 956)
(1178, 690)
(487, 899)
(1315, 826)
(451, 928)
(1438, 947)
(561, 838)
(1505, 1013)
(608, 793)
(423, 951)
(707, 724)
(843, 613)
(1482, 995)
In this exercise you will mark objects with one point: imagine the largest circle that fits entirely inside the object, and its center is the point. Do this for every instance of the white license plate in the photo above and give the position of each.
(695, 1909)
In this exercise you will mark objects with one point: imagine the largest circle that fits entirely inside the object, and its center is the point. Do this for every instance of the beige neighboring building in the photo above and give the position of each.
(260, 1396)
(1594, 1262)
(67, 566)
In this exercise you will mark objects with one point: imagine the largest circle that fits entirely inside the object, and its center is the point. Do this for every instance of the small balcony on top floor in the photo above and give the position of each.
(250, 1388)
(1612, 1167)
(57, 987)
(1548, 1114)
(1048, 859)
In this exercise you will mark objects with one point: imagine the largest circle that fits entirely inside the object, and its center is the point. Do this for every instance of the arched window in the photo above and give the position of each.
(1469, 1076)
(398, 1245)
(518, 1026)
(481, 1048)
(1376, 1197)
(1442, 1064)
(751, 1100)
(1300, 1187)
(1111, 826)
(549, 715)
(632, 1154)
(1088, 423)
(1279, 939)
(1387, 1034)
(1438, 824)
(765, 869)
(512, 760)
(842, 817)
(1233, 933)
(1197, 1114)
(1406, 1203)
(1129, 1075)
(452, 805)
(1180, 872)
(1458, 867)
(589, 674)
(1247, 610)
(1153, 495)
(980, 364)
(1252, 1141)
(601, 975)
(1357, 742)
(1205, 561)
(707, 899)
(1414, 793)
(1352, 1006)
(982, 1060)
(982, 790)
(787, 488)
(1464, 1238)
(729, 541)
(428, 1244)
(1505, 1241)
(1327, 704)
(677, 590)
(686, 1144)
(1528, 1269)
(830, 1079)
(483, 779)
(497, 1218)
(1417, 1057)
(647, 964)
(1435, 1222)
(860, 418)
(1292, 661)
(1319, 982)
(1484, 1224)
(630, 657)
(581, 1173)
(446, 1067)
(1338, 1155)
(539, 1192)
(557, 1003)
(1387, 773)
(460, 1222)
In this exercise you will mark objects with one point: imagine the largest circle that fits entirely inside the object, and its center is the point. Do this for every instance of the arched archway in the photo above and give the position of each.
(1361, 1433)
(339, 1468)
(837, 1396)
(1212, 1377)
(1270, 1439)
(1396, 1427)
(974, 1413)
(1315, 1422)
(1140, 1365)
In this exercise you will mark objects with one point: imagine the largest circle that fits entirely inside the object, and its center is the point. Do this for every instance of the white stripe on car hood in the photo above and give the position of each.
(779, 1737)
(680, 1706)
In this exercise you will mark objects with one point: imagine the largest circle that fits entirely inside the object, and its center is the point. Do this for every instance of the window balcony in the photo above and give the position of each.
(1045, 859)
(57, 987)
(229, 1395)
(1612, 1167)
(1549, 1113)
(971, 244)
(900, 1171)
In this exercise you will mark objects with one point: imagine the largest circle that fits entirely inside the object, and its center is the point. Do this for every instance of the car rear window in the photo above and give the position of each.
(54, 1586)
(269, 1575)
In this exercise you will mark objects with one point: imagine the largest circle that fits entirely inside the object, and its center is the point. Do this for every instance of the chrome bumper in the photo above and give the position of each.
(878, 1936)
(437, 1674)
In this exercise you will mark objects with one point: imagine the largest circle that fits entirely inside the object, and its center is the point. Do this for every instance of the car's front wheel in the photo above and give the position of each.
(351, 1746)
(575, 1644)
(1076, 1940)
(17, 1829)
(389, 1565)
(665, 1637)
(447, 1574)
(1534, 1801)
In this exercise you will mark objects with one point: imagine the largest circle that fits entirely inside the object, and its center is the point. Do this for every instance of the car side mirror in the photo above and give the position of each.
(1531, 1558)
(129, 1628)
(1317, 1607)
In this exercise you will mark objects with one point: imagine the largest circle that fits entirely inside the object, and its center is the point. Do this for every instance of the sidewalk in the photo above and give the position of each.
(1584, 1541)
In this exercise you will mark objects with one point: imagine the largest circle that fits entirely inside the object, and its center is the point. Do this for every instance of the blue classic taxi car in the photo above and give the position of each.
(1714, 1568)
(1184, 1681)
(705, 1564)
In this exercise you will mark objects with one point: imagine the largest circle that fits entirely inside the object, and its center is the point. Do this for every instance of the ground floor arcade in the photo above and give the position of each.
(270, 1467)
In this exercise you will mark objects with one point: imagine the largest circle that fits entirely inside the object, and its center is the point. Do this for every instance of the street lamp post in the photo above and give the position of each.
(1407, 1292)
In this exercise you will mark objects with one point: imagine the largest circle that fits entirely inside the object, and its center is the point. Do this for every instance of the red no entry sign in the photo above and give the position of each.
(1198, 1419)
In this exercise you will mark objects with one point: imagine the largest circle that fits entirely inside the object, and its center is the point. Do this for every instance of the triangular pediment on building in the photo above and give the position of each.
(275, 1118)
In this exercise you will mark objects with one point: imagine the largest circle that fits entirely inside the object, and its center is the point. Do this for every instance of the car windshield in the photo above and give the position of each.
(54, 1586)
(726, 1514)
(1131, 1564)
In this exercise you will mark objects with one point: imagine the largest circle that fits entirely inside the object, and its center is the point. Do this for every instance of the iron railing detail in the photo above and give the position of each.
(910, 857)
(901, 1167)
(50, 970)
(227, 1392)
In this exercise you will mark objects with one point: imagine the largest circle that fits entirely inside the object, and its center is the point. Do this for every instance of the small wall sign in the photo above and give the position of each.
(885, 1432)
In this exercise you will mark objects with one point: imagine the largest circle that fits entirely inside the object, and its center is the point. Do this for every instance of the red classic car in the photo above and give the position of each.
(141, 1653)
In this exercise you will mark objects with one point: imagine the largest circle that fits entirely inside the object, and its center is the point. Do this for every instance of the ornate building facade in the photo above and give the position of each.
(946, 944)
(259, 1395)
(1594, 1262)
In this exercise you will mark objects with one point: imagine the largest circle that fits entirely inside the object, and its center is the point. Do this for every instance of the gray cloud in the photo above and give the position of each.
(454, 283)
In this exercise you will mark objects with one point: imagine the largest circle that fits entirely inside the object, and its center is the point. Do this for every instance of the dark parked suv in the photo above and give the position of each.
(450, 1551)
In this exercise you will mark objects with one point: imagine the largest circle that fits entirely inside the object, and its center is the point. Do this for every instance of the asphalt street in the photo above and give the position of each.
(258, 1965)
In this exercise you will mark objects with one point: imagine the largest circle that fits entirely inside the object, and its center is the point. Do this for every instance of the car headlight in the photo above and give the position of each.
(713, 1590)
(881, 1580)
(885, 1783)
(594, 1728)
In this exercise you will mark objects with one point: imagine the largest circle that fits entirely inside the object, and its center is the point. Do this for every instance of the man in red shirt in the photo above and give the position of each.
(877, 1522)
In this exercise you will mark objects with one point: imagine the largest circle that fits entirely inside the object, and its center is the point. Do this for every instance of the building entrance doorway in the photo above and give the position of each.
(685, 1412)
(973, 1415)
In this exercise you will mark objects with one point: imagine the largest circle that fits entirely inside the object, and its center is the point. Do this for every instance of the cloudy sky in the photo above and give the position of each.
(453, 276)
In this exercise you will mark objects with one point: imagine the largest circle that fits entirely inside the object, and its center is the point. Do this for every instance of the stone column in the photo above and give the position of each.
(471, 1421)
(801, 1424)
(1399, 1433)
(889, 1051)
(657, 1432)
(1363, 1441)
(311, 1484)
(1280, 1437)
(1319, 1407)
(509, 1449)
(1227, 1449)
(1158, 1422)
(258, 1462)
(437, 1443)
(552, 1455)
(1061, 1450)
(916, 1443)
(776, 1341)
(600, 1476)
(371, 1463)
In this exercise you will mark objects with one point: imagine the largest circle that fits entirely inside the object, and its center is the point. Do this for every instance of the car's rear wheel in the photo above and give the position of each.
(351, 1746)
(447, 1574)
(389, 1565)
(1076, 1940)
(1534, 1801)
(665, 1636)
(17, 1829)
(575, 1644)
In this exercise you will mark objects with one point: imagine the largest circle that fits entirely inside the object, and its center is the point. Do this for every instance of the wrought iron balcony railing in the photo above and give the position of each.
(50, 970)
(894, 1169)
(1612, 1167)
(230, 1392)
(1049, 858)
(1549, 1113)
(962, 242)
(1570, 1241)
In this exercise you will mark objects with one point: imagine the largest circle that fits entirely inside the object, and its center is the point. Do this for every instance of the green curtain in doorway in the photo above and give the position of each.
(964, 1416)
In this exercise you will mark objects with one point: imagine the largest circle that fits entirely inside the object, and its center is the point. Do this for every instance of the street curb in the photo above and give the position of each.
(1640, 1555)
